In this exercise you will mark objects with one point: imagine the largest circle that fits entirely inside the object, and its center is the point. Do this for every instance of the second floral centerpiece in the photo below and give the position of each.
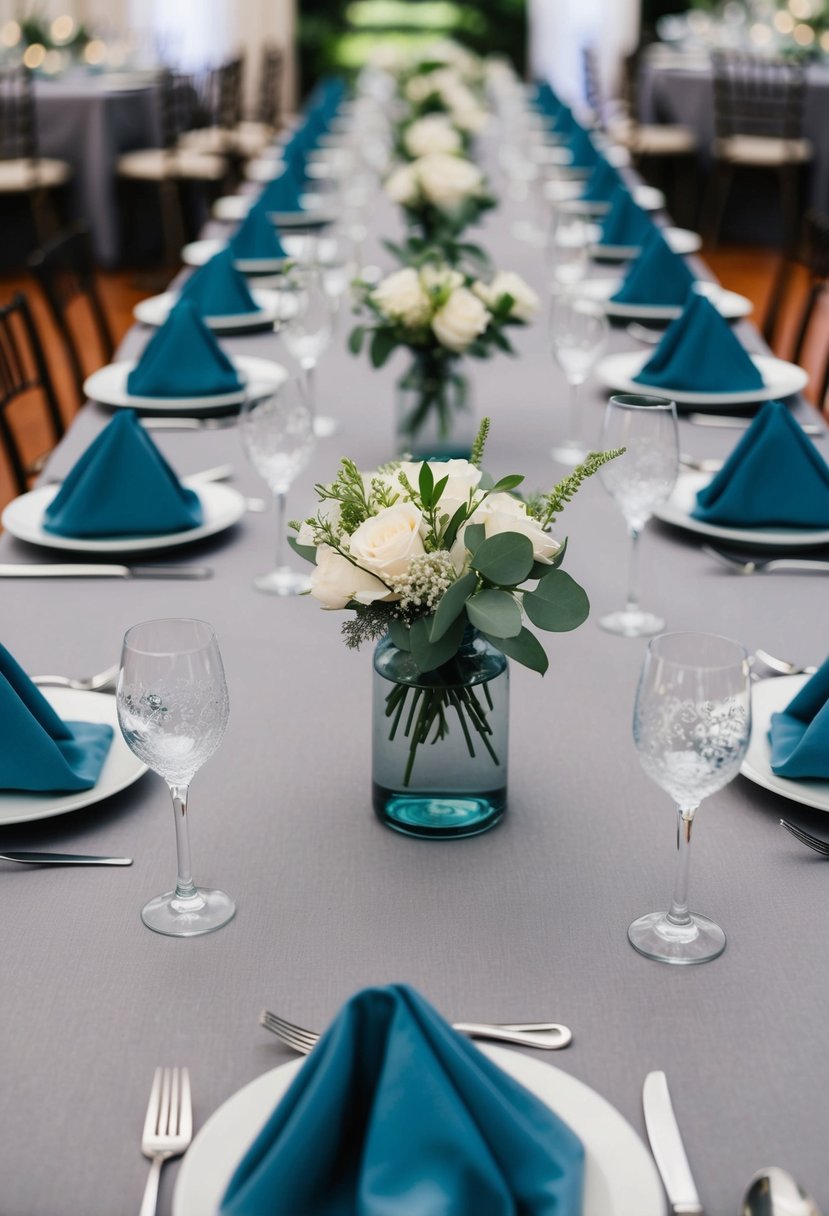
(449, 569)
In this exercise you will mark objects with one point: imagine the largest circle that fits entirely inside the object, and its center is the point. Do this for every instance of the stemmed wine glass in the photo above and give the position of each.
(640, 480)
(278, 435)
(172, 709)
(691, 726)
(578, 334)
(567, 249)
(306, 330)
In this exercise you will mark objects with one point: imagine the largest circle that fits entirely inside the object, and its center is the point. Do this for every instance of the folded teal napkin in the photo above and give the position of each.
(561, 121)
(601, 183)
(38, 750)
(775, 477)
(546, 99)
(122, 486)
(582, 150)
(626, 223)
(217, 289)
(799, 735)
(256, 238)
(183, 359)
(699, 354)
(283, 193)
(396, 1114)
(656, 276)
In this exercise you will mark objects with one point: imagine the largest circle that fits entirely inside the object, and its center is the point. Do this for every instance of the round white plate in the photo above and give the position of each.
(677, 510)
(108, 386)
(233, 207)
(156, 309)
(620, 1177)
(199, 252)
(727, 303)
(312, 217)
(780, 379)
(680, 240)
(771, 697)
(222, 507)
(646, 197)
(120, 769)
(264, 169)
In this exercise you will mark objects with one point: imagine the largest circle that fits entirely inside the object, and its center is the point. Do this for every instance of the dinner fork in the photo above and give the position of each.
(756, 565)
(813, 842)
(549, 1036)
(168, 1127)
(102, 681)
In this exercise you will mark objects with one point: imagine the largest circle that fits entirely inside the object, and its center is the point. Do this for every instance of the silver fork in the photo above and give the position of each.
(168, 1127)
(756, 565)
(549, 1036)
(813, 842)
(103, 681)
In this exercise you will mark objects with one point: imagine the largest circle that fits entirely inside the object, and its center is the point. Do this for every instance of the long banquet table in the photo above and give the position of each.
(525, 922)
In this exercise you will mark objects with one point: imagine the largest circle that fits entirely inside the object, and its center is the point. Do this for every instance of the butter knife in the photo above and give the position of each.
(667, 1147)
(742, 424)
(63, 859)
(92, 570)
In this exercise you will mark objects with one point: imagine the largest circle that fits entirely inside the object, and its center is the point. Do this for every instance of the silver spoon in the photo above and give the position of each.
(782, 667)
(773, 1192)
(103, 681)
(699, 466)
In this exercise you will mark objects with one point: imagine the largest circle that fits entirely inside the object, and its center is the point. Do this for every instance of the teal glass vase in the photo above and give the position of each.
(435, 418)
(439, 740)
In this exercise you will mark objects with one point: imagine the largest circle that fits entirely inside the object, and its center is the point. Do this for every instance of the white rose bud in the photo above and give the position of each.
(447, 181)
(525, 301)
(402, 298)
(386, 543)
(336, 581)
(504, 513)
(434, 133)
(460, 321)
(401, 186)
(432, 276)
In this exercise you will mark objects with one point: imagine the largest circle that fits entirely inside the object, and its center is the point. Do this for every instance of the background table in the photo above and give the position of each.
(525, 922)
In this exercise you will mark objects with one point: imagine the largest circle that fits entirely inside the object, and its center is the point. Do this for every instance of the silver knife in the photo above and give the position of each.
(64, 859)
(742, 424)
(667, 1147)
(80, 570)
(180, 423)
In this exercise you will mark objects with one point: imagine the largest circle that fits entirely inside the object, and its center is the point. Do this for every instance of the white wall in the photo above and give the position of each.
(559, 29)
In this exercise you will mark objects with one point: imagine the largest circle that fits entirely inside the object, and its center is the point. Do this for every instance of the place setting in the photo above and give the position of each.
(626, 226)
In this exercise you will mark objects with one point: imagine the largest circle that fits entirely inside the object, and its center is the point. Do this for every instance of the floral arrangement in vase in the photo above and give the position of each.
(449, 568)
(441, 193)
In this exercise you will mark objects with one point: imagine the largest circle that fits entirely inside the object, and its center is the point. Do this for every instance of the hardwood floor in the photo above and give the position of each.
(747, 270)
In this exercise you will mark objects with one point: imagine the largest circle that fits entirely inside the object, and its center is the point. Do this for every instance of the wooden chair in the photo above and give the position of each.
(227, 132)
(24, 373)
(758, 120)
(23, 172)
(65, 271)
(812, 255)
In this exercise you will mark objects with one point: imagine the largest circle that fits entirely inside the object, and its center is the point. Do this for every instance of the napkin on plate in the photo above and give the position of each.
(122, 486)
(561, 121)
(217, 289)
(546, 99)
(601, 183)
(283, 192)
(800, 734)
(256, 238)
(38, 750)
(657, 276)
(775, 477)
(625, 224)
(582, 150)
(183, 359)
(699, 354)
(396, 1113)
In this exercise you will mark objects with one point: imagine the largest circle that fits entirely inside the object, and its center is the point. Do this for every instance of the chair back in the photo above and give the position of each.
(592, 80)
(23, 371)
(179, 102)
(18, 128)
(758, 95)
(815, 256)
(65, 270)
(270, 85)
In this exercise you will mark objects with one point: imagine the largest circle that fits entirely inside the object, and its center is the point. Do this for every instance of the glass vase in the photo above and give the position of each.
(439, 741)
(435, 418)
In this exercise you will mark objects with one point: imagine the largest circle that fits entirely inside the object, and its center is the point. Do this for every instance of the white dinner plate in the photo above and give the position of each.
(108, 386)
(677, 510)
(600, 291)
(156, 309)
(680, 240)
(120, 769)
(222, 507)
(199, 252)
(769, 697)
(780, 379)
(646, 197)
(234, 207)
(620, 1177)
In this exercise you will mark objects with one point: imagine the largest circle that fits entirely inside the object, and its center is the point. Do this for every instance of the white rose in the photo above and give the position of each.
(525, 301)
(386, 543)
(434, 133)
(471, 119)
(504, 513)
(462, 477)
(446, 180)
(432, 277)
(336, 581)
(461, 319)
(401, 297)
(401, 186)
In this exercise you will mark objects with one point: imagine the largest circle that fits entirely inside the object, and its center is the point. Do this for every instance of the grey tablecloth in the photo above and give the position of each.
(526, 922)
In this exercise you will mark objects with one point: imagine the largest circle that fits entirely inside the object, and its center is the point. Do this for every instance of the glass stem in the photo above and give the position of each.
(632, 604)
(185, 888)
(679, 914)
(311, 388)
(575, 414)
(279, 497)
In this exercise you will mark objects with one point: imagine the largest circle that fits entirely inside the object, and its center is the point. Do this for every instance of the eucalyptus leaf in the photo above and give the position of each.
(507, 483)
(399, 634)
(355, 339)
(505, 559)
(495, 612)
(474, 535)
(430, 655)
(451, 532)
(525, 649)
(382, 344)
(558, 603)
(308, 552)
(451, 605)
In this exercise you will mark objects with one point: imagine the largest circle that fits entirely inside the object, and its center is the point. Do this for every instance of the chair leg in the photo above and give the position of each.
(719, 188)
(44, 215)
(788, 177)
(172, 222)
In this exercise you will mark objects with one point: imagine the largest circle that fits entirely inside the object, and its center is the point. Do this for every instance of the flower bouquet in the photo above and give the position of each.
(441, 194)
(448, 567)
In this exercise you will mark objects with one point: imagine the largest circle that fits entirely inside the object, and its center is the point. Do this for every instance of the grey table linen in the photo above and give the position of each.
(527, 922)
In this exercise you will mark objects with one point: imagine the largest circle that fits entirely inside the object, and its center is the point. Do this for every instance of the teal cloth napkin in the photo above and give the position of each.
(396, 1114)
(283, 193)
(183, 359)
(699, 353)
(656, 276)
(122, 486)
(561, 121)
(775, 477)
(601, 183)
(799, 735)
(38, 750)
(256, 237)
(217, 289)
(626, 223)
(582, 150)
(546, 99)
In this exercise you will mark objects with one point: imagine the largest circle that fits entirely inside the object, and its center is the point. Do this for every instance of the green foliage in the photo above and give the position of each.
(558, 603)
(546, 507)
(505, 559)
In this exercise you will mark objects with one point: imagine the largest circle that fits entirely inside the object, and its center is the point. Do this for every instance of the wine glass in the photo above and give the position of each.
(640, 480)
(567, 249)
(307, 330)
(172, 709)
(278, 435)
(691, 726)
(578, 334)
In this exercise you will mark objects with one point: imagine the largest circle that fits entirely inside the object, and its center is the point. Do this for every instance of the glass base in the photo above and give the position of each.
(658, 938)
(569, 452)
(325, 427)
(283, 581)
(530, 233)
(204, 912)
(439, 816)
(632, 623)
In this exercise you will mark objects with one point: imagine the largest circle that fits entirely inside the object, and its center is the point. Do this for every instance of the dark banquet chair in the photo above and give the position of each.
(23, 172)
(24, 379)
